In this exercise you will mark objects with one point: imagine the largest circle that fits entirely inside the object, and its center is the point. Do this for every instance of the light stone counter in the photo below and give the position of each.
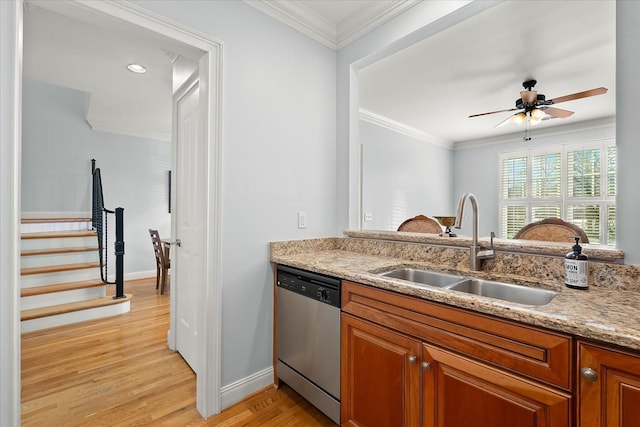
(595, 252)
(608, 311)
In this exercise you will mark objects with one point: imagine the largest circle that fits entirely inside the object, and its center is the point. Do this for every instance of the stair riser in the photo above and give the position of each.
(74, 317)
(58, 259)
(59, 277)
(55, 298)
(59, 242)
(54, 226)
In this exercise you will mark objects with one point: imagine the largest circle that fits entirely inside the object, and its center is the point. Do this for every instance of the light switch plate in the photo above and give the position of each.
(302, 219)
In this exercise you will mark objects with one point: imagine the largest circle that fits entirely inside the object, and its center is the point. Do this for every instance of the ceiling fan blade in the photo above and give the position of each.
(578, 95)
(557, 112)
(494, 112)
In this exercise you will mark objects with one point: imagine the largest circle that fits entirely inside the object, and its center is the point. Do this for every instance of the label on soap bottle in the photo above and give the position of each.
(576, 273)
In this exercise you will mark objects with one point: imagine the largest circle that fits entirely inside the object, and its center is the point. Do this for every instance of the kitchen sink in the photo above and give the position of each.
(504, 291)
(486, 288)
(424, 277)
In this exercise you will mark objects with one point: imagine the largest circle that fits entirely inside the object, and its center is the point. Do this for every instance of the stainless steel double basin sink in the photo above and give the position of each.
(486, 288)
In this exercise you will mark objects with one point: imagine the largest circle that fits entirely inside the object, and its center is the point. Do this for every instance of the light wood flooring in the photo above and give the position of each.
(119, 372)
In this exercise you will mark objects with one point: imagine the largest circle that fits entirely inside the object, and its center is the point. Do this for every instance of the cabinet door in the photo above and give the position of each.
(608, 387)
(380, 376)
(462, 392)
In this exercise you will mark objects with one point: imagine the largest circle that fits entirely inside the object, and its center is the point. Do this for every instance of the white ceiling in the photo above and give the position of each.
(79, 49)
(431, 87)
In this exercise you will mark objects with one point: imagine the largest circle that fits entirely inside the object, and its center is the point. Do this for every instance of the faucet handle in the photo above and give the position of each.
(487, 253)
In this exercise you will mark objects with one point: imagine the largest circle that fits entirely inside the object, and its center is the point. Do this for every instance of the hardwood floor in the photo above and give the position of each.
(119, 372)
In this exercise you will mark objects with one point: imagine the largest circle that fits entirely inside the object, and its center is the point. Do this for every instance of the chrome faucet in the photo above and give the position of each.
(475, 251)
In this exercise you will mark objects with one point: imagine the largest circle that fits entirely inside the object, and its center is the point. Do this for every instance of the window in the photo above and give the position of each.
(576, 182)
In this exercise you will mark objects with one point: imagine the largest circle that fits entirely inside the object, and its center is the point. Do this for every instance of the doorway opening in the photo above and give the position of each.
(149, 25)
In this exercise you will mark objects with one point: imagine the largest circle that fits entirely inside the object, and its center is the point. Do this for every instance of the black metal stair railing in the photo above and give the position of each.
(100, 223)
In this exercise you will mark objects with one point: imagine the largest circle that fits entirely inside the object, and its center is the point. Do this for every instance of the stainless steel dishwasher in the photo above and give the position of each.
(308, 337)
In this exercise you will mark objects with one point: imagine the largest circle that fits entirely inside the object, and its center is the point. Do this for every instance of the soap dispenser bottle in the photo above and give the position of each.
(576, 268)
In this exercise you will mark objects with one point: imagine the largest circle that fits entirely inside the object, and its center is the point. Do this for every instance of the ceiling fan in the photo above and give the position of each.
(535, 107)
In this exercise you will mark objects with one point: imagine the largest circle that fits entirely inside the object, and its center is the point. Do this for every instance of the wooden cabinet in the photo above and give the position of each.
(458, 391)
(417, 363)
(380, 376)
(608, 387)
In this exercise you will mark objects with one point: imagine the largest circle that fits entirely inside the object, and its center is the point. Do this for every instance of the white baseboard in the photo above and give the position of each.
(237, 391)
(135, 275)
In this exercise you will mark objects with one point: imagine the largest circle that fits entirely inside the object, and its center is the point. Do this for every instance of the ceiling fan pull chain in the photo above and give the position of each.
(527, 129)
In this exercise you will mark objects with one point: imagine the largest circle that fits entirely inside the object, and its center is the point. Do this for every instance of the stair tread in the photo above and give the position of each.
(58, 234)
(57, 268)
(60, 287)
(41, 220)
(53, 310)
(32, 252)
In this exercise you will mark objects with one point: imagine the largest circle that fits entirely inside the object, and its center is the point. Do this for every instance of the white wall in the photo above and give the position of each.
(57, 148)
(477, 170)
(402, 177)
(278, 158)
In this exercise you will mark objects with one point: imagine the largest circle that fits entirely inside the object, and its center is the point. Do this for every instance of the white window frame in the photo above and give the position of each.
(604, 200)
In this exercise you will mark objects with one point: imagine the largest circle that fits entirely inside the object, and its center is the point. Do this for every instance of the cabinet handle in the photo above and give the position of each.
(589, 374)
(412, 359)
(426, 366)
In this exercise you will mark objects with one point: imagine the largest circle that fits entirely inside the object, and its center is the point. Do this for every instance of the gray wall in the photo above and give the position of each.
(402, 177)
(628, 148)
(57, 148)
(279, 157)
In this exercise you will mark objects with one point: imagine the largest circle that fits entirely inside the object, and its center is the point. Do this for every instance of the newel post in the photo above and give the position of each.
(119, 252)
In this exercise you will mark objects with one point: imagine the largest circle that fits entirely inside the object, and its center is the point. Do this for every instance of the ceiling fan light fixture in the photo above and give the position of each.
(537, 114)
(519, 118)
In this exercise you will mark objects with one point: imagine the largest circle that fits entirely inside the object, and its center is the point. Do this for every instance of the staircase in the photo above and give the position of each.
(60, 275)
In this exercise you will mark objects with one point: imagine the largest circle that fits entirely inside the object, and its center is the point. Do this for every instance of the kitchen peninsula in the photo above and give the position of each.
(552, 355)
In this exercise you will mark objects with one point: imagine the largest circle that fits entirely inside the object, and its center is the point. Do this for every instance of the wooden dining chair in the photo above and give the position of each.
(552, 230)
(421, 224)
(163, 263)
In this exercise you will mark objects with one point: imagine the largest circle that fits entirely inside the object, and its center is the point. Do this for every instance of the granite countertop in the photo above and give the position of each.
(596, 252)
(607, 314)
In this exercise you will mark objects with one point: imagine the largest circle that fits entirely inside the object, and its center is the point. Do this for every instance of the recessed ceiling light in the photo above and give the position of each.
(136, 68)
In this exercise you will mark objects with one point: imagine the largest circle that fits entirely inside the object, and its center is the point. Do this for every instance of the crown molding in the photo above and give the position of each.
(367, 20)
(403, 129)
(300, 17)
(114, 127)
(605, 122)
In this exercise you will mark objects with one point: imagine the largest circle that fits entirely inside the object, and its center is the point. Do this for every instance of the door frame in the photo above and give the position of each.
(11, 50)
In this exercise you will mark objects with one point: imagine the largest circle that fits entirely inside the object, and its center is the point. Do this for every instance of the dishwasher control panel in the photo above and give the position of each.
(318, 287)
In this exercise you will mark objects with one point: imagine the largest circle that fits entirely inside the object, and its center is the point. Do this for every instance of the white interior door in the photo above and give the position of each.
(187, 268)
